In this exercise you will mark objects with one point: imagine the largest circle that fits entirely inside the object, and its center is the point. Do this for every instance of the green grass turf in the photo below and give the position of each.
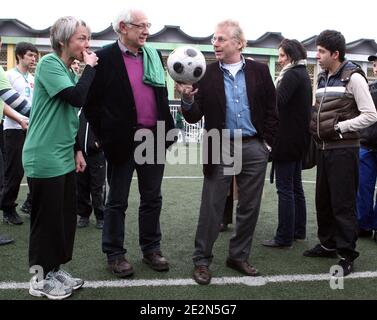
(178, 223)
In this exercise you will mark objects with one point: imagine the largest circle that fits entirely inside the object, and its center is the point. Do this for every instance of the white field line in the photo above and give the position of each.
(248, 281)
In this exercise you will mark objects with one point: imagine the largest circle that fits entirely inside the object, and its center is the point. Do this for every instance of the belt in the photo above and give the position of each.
(248, 138)
(245, 138)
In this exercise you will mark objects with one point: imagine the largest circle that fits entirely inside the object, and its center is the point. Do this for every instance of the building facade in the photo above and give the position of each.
(263, 49)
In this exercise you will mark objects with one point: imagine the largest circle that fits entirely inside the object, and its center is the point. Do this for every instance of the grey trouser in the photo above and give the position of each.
(250, 182)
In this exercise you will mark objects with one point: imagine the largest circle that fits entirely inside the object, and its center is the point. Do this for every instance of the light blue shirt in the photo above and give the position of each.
(238, 114)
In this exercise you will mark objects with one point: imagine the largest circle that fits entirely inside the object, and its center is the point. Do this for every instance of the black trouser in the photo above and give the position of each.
(52, 221)
(336, 189)
(90, 186)
(149, 182)
(13, 170)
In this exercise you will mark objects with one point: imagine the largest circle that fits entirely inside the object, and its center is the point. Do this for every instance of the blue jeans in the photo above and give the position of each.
(292, 206)
(149, 181)
(366, 210)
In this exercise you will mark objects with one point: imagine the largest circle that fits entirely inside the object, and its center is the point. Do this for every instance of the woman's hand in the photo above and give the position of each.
(80, 161)
(90, 58)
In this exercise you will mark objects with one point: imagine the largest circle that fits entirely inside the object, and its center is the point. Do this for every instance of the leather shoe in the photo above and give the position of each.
(156, 261)
(26, 207)
(202, 275)
(273, 244)
(99, 223)
(121, 267)
(223, 227)
(243, 267)
(83, 222)
(12, 217)
(4, 240)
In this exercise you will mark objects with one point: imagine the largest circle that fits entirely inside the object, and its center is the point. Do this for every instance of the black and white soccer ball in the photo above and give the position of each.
(186, 65)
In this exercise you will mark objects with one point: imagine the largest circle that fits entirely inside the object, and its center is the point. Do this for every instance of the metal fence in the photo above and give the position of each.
(193, 132)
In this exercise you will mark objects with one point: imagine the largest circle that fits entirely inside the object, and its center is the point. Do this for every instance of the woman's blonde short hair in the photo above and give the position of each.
(62, 30)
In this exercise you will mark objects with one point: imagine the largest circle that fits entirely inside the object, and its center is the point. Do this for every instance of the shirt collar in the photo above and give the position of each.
(125, 50)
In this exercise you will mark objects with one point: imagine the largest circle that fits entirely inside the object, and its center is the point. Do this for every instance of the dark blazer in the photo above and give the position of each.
(294, 101)
(210, 102)
(110, 107)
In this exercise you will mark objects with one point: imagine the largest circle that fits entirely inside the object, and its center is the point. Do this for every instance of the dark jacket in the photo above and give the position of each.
(368, 136)
(335, 106)
(110, 107)
(294, 102)
(210, 102)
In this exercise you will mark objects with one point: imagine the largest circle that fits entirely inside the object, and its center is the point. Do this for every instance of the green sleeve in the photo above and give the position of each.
(54, 76)
(4, 82)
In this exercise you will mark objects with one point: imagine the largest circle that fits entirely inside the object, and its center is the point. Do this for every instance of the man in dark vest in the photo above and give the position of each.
(343, 107)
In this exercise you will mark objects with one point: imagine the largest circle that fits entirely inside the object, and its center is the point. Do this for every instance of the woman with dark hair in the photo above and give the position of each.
(294, 99)
(49, 158)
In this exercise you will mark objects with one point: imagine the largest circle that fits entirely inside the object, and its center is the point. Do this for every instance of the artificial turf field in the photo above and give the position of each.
(280, 268)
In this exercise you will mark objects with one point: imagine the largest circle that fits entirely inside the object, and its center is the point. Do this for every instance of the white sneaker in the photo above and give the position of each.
(49, 287)
(65, 278)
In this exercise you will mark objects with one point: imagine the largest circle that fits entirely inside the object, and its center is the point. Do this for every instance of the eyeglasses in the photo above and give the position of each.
(141, 26)
(218, 39)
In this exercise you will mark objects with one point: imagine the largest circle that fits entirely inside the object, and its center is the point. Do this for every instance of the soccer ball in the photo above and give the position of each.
(186, 65)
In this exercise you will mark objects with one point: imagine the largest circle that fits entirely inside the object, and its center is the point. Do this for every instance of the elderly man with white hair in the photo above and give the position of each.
(128, 95)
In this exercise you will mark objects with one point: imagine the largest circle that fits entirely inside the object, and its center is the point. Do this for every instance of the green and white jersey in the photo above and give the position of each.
(24, 85)
(4, 84)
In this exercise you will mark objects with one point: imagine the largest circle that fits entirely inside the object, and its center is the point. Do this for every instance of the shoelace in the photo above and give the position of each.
(64, 273)
(203, 269)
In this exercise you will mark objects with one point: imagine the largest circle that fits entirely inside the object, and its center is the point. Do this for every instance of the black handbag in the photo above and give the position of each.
(309, 160)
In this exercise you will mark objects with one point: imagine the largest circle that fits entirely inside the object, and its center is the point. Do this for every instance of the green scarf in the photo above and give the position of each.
(154, 73)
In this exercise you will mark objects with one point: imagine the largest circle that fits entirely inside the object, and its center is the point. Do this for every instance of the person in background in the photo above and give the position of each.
(294, 103)
(22, 81)
(229, 205)
(366, 209)
(50, 160)
(75, 66)
(14, 101)
(91, 182)
(179, 124)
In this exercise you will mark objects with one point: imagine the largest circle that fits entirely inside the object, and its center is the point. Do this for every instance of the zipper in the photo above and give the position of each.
(319, 112)
(86, 138)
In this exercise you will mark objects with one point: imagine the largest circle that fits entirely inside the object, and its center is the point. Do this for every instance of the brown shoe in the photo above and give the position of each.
(243, 267)
(121, 268)
(156, 261)
(202, 275)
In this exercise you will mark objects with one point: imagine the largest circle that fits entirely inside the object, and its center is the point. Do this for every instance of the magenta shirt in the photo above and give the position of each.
(145, 100)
